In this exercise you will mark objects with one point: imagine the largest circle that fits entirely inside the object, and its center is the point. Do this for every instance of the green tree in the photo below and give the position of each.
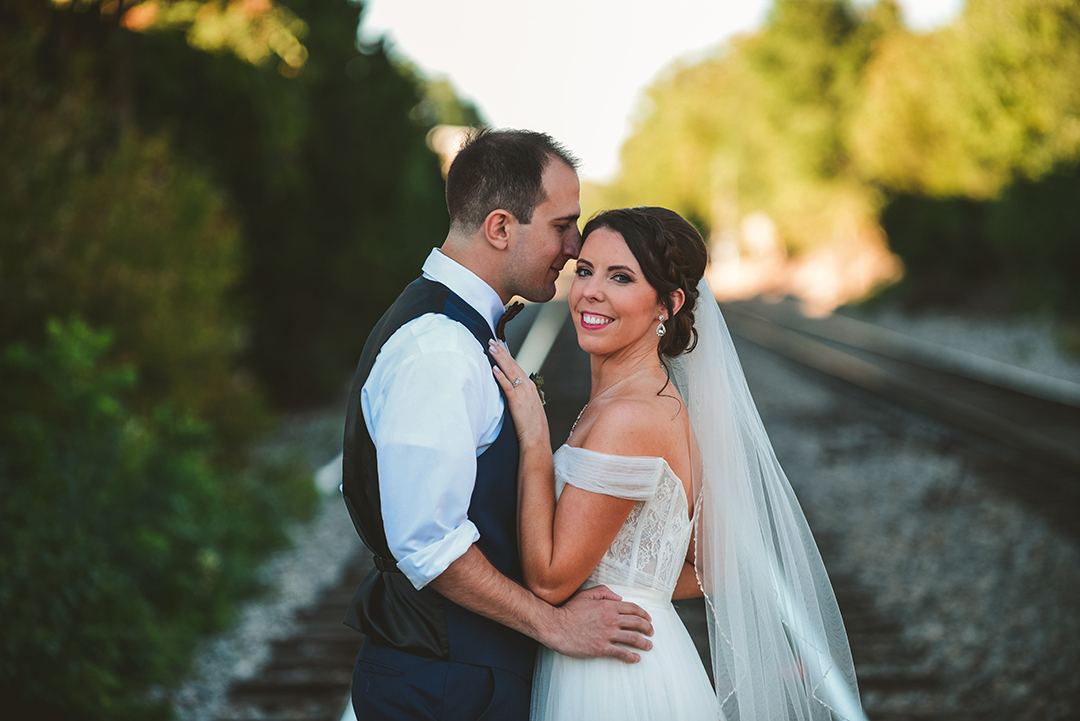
(112, 225)
(968, 109)
(973, 132)
(338, 195)
(762, 125)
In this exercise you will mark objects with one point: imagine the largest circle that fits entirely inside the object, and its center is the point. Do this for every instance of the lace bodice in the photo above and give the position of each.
(651, 545)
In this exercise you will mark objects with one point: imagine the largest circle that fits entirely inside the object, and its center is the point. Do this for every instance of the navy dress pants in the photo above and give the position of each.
(392, 685)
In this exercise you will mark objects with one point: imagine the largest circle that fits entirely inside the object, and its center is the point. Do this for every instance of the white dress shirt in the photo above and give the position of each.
(432, 405)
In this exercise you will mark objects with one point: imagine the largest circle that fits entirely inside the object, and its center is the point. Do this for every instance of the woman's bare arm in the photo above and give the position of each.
(687, 585)
(561, 545)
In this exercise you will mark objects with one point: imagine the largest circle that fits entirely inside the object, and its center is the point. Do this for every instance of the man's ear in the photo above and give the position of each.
(498, 227)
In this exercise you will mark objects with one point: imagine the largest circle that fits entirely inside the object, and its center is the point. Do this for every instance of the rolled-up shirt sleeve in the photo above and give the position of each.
(431, 405)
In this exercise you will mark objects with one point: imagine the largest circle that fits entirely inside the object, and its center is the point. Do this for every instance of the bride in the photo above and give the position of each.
(667, 487)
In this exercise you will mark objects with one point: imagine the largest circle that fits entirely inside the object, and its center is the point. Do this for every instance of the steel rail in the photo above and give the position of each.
(868, 358)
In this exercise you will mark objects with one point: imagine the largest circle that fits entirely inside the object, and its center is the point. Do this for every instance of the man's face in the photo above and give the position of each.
(542, 247)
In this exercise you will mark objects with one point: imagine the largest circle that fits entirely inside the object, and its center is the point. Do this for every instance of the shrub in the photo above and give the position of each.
(1025, 243)
(121, 540)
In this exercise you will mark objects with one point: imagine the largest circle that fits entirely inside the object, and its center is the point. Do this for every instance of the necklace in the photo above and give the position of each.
(580, 413)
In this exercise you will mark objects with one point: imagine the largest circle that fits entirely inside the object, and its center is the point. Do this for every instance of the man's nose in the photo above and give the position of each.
(573, 243)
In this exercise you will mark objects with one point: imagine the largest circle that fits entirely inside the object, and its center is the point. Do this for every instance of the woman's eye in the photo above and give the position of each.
(621, 278)
(583, 273)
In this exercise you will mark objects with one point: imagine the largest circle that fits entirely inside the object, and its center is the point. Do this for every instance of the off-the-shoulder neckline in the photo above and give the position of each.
(615, 455)
(629, 458)
(682, 486)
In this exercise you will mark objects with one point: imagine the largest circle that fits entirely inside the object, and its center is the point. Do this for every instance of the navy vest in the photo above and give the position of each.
(386, 606)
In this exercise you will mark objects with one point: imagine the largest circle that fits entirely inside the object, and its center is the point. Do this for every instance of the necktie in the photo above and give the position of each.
(508, 315)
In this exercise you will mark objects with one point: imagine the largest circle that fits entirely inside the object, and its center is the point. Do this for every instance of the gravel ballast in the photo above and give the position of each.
(293, 578)
(928, 521)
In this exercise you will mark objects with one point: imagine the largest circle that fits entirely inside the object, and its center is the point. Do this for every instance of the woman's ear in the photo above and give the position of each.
(677, 300)
(498, 226)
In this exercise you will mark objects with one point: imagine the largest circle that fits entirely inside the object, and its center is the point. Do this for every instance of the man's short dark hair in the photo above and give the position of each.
(500, 169)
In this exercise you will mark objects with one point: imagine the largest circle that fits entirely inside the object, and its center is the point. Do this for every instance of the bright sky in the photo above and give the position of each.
(572, 68)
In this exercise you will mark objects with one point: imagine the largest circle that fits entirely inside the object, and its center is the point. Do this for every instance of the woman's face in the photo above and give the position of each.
(614, 307)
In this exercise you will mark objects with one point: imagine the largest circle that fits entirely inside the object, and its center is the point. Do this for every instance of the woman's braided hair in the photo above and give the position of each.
(672, 256)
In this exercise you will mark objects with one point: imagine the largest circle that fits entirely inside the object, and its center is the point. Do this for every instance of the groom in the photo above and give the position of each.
(430, 459)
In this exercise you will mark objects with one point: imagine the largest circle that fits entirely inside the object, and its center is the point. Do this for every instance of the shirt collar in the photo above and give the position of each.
(466, 284)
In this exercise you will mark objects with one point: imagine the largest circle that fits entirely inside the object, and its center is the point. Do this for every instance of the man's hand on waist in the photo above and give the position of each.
(597, 622)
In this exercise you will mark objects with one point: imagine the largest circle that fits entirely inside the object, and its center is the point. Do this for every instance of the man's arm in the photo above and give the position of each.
(427, 407)
(590, 624)
(426, 404)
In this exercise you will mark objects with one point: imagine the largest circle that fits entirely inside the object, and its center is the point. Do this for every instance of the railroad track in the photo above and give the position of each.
(1035, 416)
(309, 675)
(1032, 413)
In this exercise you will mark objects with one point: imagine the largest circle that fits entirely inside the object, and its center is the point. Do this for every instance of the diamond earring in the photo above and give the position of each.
(661, 329)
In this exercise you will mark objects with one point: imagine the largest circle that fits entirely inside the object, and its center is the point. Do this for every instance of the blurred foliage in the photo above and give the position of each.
(115, 227)
(836, 122)
(974, 132)
(969, 109)
(252, 29)
(442, 105)
(761, 126)
(1024, 244)
(220, 211)
(310, 160)
(121, 541)
(339, 197)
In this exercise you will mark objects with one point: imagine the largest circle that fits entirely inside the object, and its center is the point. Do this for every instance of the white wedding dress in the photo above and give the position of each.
(778, 644)
(642, 565)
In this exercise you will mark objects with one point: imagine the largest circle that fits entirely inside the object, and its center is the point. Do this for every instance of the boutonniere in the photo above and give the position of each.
(538, 380)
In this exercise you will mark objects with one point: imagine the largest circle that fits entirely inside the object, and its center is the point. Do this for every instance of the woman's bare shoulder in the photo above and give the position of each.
(634, 426)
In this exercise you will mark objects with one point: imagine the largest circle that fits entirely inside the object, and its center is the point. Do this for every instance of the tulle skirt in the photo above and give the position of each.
(668, 684)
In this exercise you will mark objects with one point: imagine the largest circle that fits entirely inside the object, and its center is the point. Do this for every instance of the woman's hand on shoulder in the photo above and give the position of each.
(522, 397)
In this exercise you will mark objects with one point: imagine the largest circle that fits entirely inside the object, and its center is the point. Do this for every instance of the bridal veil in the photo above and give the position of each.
(779, 648)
